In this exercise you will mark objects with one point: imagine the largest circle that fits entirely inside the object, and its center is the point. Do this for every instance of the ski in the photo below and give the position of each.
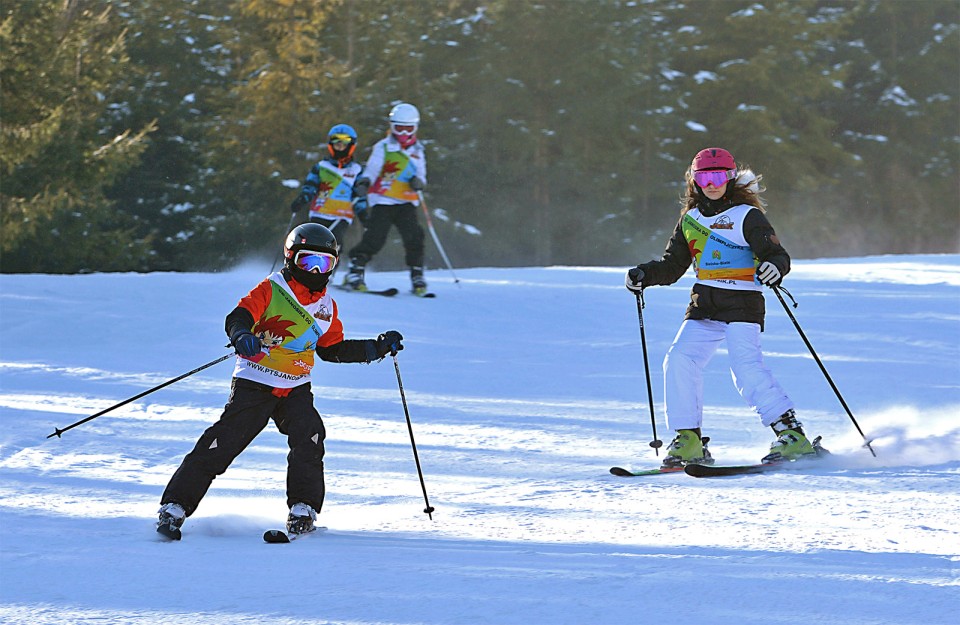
(700, 470)
(383, 292)
(621, 472)
(276, 537)
(711, 470)
(169, 532)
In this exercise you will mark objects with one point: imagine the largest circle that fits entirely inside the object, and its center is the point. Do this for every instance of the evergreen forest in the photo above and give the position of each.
(173, 135)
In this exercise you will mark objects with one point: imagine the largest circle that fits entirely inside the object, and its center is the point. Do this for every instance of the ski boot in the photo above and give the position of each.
(301, 518)
(354, 278)
(171, 518)
(688, 448)
(791, 443)
(417, 281)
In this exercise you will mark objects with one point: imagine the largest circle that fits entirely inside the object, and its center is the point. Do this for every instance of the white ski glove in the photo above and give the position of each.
(768, 274)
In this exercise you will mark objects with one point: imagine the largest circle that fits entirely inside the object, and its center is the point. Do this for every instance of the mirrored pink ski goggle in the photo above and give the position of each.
(715, 177)
(315, 262)
(404, 129)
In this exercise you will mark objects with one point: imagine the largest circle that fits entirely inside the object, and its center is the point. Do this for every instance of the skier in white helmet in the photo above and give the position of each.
(397, 169)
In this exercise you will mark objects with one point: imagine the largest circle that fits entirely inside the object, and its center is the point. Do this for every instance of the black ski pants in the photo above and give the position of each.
(250, 407)
(382, 216)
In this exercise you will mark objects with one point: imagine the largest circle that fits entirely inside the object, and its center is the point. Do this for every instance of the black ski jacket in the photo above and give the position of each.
(717, 303)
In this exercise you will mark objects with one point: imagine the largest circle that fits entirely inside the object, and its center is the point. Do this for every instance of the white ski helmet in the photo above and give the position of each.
(404, 113)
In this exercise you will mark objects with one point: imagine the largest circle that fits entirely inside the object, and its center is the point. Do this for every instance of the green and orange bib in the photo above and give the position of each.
(720, 252)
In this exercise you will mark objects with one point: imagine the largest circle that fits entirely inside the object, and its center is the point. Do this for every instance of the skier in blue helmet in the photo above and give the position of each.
(333, 191)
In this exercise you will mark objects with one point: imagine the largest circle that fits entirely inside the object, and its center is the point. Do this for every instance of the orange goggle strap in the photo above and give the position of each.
(342, 159)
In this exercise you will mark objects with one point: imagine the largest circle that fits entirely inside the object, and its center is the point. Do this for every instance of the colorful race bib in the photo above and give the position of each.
(721, 256)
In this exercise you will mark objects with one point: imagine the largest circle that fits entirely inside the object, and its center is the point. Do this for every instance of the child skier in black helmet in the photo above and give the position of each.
(276, 329)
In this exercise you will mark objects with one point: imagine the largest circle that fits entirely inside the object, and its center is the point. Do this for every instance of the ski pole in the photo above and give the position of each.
(293, 217)
(655, 443)
(403, 398)
(777, 289)
(57, 431)
(436, 239)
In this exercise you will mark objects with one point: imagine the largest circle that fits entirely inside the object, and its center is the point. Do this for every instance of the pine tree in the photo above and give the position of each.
(61, 65)
(902, 74)
(180, 65)
(560, 129)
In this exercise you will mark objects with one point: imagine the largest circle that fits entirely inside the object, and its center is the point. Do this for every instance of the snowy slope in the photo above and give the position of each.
(524, 387)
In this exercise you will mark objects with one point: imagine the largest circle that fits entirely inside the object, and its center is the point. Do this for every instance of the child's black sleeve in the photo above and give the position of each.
(239, 320)
(764, 241)
(351, 350)
(674, 263)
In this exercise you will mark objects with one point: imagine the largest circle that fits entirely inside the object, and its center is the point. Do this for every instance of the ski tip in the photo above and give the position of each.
(275, 537)
(384, 292)
(621, 472)
(169, 533)
(280, 536)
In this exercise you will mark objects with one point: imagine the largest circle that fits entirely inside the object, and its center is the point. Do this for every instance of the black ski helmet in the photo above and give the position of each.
(314, 237)
(310, 236)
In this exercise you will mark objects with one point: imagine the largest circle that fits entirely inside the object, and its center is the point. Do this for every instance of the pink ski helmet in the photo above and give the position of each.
(713, 158)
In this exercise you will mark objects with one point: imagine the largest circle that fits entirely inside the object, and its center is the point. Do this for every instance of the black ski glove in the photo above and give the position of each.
(634, 280)
(416, 184)
(246, 344)
(389, 343)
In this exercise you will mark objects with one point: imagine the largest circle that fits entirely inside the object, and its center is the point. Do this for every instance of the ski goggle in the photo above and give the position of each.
(715, 177)
(404, 129)
(315, 262)
(341, 138)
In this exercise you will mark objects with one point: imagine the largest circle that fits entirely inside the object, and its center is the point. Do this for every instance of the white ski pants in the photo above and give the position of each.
(693, 347)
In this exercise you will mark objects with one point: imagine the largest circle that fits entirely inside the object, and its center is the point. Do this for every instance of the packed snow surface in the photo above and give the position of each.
(524, 386)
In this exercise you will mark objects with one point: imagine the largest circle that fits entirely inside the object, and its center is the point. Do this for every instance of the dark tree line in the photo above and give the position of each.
(167, 134)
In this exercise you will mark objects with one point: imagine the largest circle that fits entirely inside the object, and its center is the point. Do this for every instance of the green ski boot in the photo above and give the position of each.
(687, 448)
(791, 443)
